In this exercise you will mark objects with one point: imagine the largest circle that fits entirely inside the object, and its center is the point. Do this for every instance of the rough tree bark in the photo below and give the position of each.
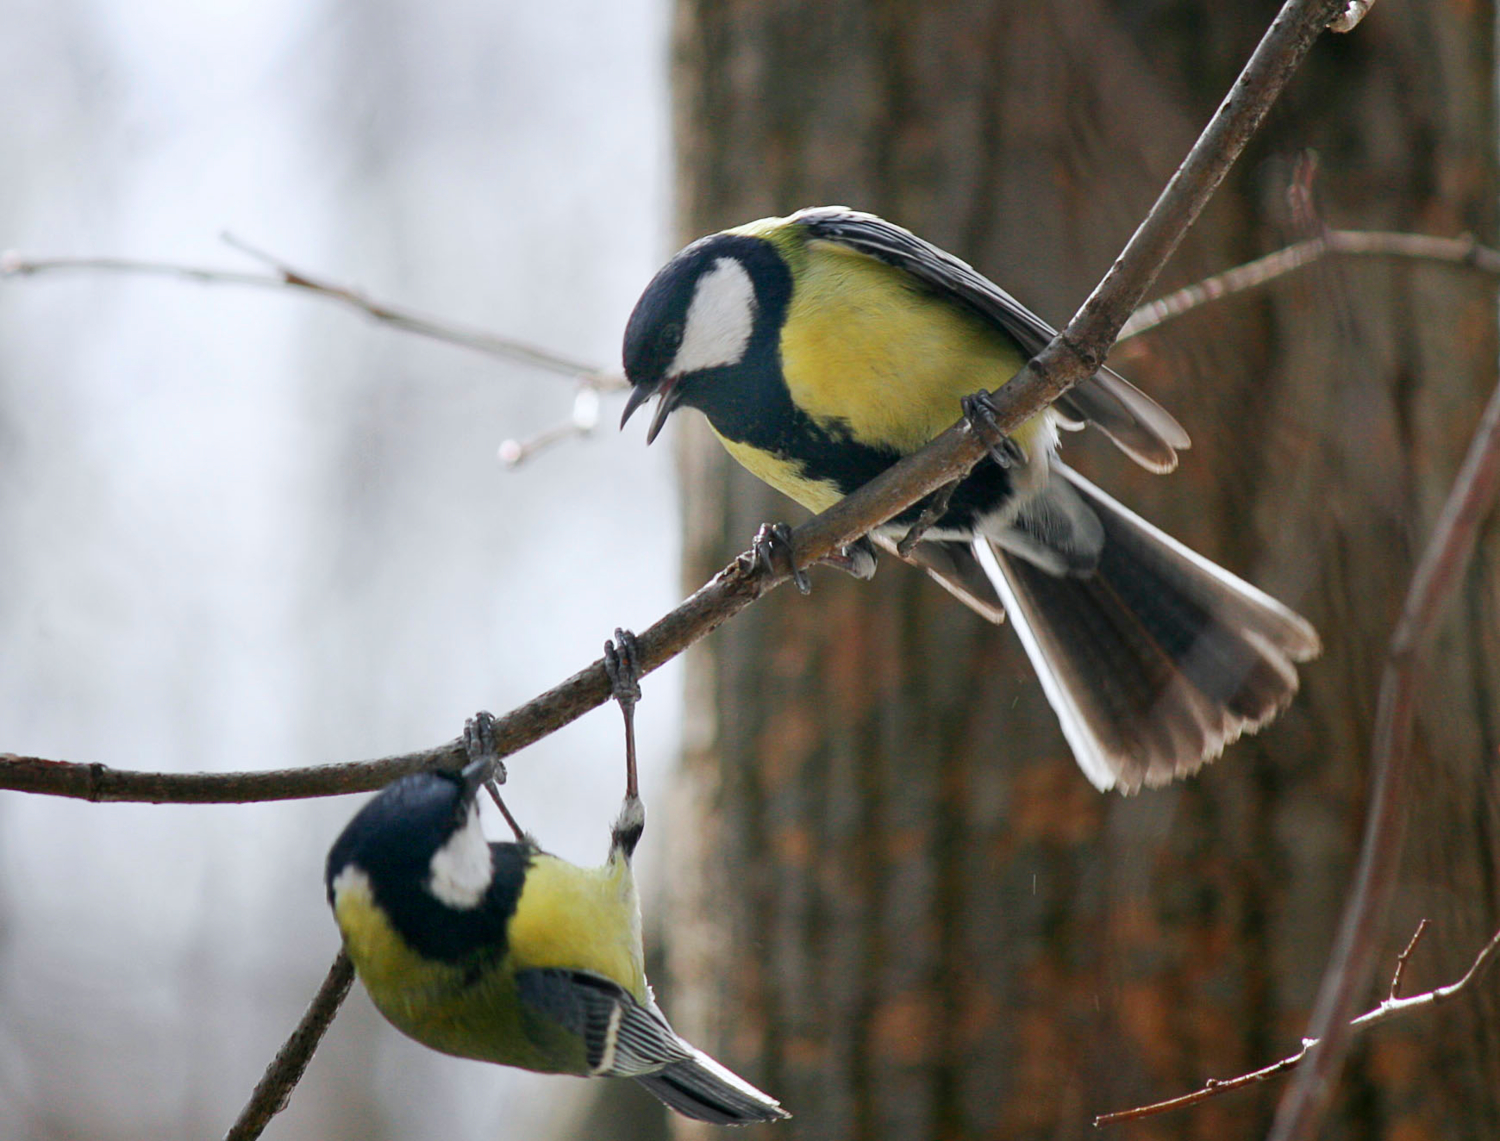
(899, 905)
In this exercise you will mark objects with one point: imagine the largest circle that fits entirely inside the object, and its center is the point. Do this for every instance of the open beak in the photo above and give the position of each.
(670, 397)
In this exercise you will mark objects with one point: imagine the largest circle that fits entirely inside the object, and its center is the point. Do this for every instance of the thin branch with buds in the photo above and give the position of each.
(1392, 1007)
(285, 276)
(1401, 960)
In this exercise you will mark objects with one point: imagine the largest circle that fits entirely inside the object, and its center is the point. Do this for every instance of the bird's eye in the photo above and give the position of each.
(671, 334)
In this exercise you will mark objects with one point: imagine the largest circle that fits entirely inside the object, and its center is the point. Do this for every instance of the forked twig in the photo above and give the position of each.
(1390, 1008)
(1353, 959)
(1401, 960)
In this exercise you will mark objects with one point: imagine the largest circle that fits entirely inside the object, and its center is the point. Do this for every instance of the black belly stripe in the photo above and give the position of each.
(750, 405)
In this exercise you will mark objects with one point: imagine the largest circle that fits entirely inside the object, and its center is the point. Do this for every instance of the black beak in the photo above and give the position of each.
(670, 397)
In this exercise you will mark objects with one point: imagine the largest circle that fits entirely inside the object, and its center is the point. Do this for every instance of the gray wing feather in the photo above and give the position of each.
(625, 1039)
(622, 1037)
(1142, 428)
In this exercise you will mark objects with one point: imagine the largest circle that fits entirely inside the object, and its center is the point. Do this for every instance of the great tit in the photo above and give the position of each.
(825, 346)
(504, 953)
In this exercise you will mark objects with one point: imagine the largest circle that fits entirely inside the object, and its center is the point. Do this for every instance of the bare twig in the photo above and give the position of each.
(101, 783)
(582, 422)
(14, 264)
(1073, 355)
(1352, 963)
(1463, 251)
(286, 1069)
(1401, 959)
(1390, 1008)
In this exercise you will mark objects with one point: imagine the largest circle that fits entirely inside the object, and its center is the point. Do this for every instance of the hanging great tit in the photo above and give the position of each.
(825, 346)
(501, 952)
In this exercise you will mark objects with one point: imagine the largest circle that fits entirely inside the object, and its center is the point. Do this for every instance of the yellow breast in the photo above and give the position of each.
(418, 995)
(586, 919)
(786, 476)
(864, 345)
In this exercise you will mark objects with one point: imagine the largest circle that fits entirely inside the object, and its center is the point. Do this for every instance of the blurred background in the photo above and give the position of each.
(242, 529)
(245, 530)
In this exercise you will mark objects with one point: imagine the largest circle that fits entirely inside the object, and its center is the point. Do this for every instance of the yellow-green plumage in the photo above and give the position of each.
(865, 350)
(576, 918)
(503, 953)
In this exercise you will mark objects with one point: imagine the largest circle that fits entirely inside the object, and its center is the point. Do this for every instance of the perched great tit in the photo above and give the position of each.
(825, 346)
(504, 953)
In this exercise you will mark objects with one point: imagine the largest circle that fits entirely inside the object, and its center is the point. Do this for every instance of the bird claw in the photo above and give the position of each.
(622, 662)
(933, 510)
(858, 558)
(479, 743)
(772, 549)
(979, 411)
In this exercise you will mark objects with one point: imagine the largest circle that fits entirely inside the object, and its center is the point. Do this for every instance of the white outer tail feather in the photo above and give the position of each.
(1086, 747)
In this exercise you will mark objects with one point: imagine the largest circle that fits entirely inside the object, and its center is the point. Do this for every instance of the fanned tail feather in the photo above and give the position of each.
(1155, 660)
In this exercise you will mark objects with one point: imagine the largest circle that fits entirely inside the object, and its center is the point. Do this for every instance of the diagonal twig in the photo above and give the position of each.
(1352, 962)
(286, 1069)
(1463, 251)
(1403, 958)
(1387, 1010)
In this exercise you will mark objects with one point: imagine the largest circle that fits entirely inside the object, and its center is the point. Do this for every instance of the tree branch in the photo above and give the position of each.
(1353, 959)
(1463, 251)
(1074, 354)
(286, 1069)
(1403, 958)
(283, 275)
(1391, 1008)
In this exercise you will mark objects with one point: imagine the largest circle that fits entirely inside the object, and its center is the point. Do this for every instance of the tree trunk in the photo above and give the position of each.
(899, 905)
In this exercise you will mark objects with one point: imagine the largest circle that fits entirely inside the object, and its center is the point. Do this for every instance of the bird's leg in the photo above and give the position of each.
(979, 411)
(772, 549)
(933, 510)
(622, 662)
(479, 743)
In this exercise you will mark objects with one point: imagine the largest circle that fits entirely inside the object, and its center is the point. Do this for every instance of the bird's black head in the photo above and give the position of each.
(714, 307)
(421, 851)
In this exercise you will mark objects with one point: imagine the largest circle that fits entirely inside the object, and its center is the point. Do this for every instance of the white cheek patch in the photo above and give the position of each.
(351, 883)
(462, 868)
(719, 320)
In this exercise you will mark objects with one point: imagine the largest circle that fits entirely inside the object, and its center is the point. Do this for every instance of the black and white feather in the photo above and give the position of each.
(626, 1039)
(1142, 428)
